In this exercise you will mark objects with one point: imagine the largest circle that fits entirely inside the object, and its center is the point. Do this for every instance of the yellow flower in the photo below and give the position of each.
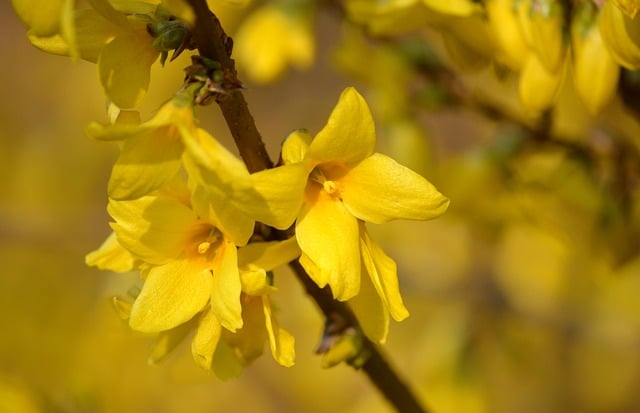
(115, 35)
(232, 351)
(331, 185)
(188, 262)
(401, 16)
(273, 37)
(189, 266)
(150, 153)
(111, 256)
(256, 261)
(195, 279)
(44, 17)
(153, 153)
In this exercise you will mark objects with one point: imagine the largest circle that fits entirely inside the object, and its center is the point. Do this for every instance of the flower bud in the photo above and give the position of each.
(595, 71)
(347, 348)
(503, 22)
(621, 35)
(537, 86)
(547, 21)
(169, 35)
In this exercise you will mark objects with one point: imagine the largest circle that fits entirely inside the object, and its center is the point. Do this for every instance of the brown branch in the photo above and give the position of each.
(213, 43)
(376, 367)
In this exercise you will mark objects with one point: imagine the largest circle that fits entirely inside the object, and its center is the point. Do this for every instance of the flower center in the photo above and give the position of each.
(203, 247)
(205, 241)
(329, 186)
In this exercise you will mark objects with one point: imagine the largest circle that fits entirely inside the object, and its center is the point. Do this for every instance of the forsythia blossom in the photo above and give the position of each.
(331, 185)
(402, 16)
(273, 37)
(121, 37)
(194, 276)
(150, 153)
(183, 235)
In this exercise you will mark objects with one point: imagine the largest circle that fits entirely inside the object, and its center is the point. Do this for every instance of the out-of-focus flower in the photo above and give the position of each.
(401, 16)
(123, 38)
(595, 71)
(273, 37)
(46, 17)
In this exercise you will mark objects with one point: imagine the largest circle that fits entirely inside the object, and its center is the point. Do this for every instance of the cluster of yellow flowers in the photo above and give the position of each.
(546, 41)
(184, 208)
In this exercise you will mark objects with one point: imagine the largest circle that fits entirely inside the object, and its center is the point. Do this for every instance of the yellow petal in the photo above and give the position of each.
(111, 256)
(172, 294)
(371, 313)
(295, 146)
(216, 207)
(68, 27)
(209, 154)
(379, 189)
(282, 343)
(176, 116)
(255, 281)
(124, 68)
(273, 196)
(538, 87)
(214, 173)
(383, 274)
(596, 73)
(50, 44)
(226, 287)
(109, 13)
(122, 307)
(123, 116)
(269, 255)
(116, 132)
(93, 33)
(154, 229)
(328, 236)
(463, 8)
(167, 341)
(126, 7)
(206, 339)
(71, 38)
(349, 135)
(146, 162)
(248, 342)
(395, 17)
(226, 364)
(41, 16)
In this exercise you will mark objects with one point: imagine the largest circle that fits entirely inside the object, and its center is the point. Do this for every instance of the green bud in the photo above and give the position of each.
(347, 348)
(170, 35)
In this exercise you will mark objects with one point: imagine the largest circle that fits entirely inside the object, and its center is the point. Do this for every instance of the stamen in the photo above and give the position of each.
(330, 187)
(203, 247)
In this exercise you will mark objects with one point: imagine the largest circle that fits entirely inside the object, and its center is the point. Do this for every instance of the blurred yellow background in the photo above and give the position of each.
(516, 304)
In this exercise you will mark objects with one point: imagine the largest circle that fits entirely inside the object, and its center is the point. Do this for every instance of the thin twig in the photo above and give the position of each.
(213, 43)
